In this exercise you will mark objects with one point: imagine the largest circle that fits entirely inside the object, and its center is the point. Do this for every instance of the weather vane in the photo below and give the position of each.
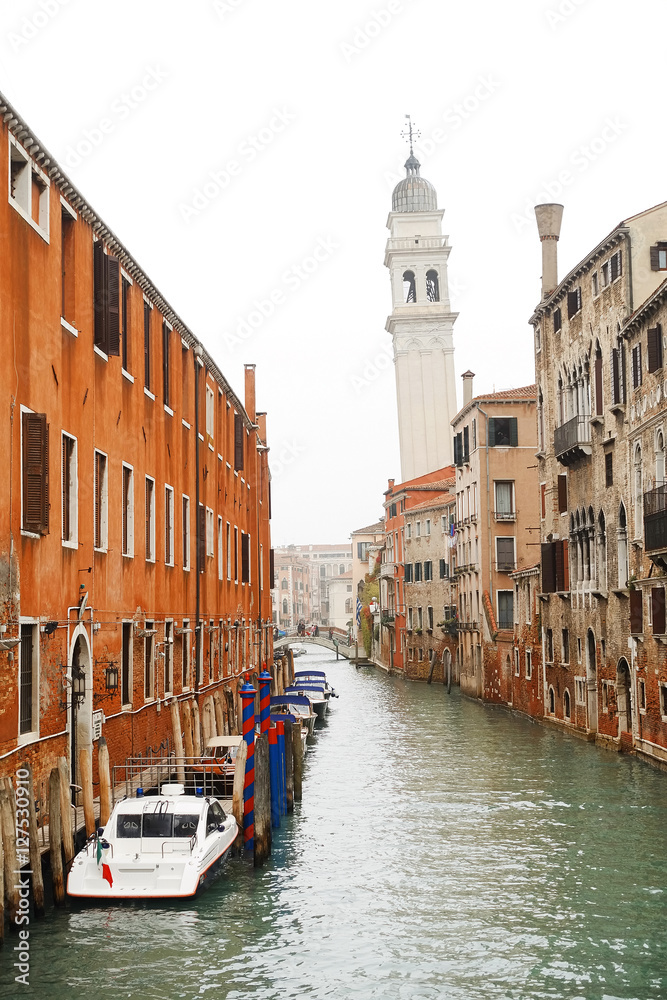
(410, 134)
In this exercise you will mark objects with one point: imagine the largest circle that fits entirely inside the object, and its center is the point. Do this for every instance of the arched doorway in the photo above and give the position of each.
(81, 713)
(591, 682)
(447, 669)
(624, 696)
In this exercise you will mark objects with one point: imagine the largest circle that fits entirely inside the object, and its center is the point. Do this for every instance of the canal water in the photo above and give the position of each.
(443, 849)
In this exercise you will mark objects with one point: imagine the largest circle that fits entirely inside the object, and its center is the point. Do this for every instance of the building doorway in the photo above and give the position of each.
(624, 696)
(591, 682)
(81, 715)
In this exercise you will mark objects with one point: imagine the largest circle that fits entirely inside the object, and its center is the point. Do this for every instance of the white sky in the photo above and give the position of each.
(523, 93)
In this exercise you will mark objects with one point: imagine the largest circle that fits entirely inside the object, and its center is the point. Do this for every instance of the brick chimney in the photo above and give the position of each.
(548, 225)
(467, 386)
(249, 402)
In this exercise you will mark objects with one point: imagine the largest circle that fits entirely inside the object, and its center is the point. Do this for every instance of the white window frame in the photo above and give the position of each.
(150, 556)
(185, 654)
(528, 657)
(168, 656)
(219, 547)
(73, 541)
(505, 538)
(129, 516)
(169, 523)
(580, 690)
(185, 531)
(210, 414)
(427, 526)
(229, 550)
(33, 734)
(210, 540)
(23, 203)
(104, 501)
(517, 662)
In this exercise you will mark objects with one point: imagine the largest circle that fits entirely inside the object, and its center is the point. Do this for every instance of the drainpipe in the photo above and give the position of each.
(488, 503)
(197, 354)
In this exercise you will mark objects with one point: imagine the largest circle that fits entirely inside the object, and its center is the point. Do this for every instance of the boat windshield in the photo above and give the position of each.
(156, 825)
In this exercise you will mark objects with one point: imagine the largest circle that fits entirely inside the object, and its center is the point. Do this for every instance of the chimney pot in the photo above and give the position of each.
(467, 387)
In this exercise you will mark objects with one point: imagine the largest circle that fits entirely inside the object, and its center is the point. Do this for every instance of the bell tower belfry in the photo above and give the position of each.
(421, 324)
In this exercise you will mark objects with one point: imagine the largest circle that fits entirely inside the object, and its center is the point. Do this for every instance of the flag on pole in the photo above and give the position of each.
(358, 611)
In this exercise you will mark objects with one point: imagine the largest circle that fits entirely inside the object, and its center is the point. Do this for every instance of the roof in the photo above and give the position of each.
(439, 484)
(372, 529)
(440, 501)
(525, 392)
(647, 306)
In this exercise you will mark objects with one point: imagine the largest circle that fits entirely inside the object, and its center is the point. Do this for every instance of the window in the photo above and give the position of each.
(549, 651)
(284, 605)
(639, 492)
(565, 646)
(392, 510)
(409, 287)
(362, 551)
(245, 558)
(566, 704)
(408, 530)
(418, 572)
(408, 572)
(558, 320)
(147, 344)
(432, 286)
(573, 302)
(618, 373)
(210, 413)
(169, 526)
(622, 548)
(605, 274)
(517, 662)
(504, 501)
(127, 515)
(420, 617)
(444, 569)
(636, 366)
(562, 494)
(148, 661)
(67, 219)
(663, 702)
(219, 548)
(69, 504)
(101, 499)
(555, 567)
(229, 550)
(28, 680)
(125, 321)
(503, 432)
(654, 345)
(106, 300)
(599, 387)
(636, 612)
(28, 189)
(168, 657)
(126, 665)
(410, 618)
(659, 257)
(427, 526)
(418, 529)
(506, 609)
(658, 610)
(239, 434)
(210, 543)
(595, 284)
(505, 555)
(552, 701)
(529, 664)
(165, 363)
(150, 520)
(428, 570)
(185, 510)
(236, 555)
(609, 469)
(616, 262)
(641, 691)
(185, 654)
(35, 472)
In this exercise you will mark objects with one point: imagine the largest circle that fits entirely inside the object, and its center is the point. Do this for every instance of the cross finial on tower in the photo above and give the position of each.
(410, 134)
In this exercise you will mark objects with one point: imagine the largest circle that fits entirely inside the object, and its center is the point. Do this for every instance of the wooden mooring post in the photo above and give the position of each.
(237, 794)
(178, 740)
(55, 838)
(105, 780)
(187, 730)
(8, 826)
(297, 762)
(262, 849)
(35, 853)
(66, 824)
(2, 890)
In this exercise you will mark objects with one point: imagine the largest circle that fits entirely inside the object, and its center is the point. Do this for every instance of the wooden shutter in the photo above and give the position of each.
(147, 345)
(505, 552)
(614, 266)
(572, 303)
(126, 504)
(112, 317)
(654, 344)
(598, 386)
(245, 557)
(66, 493)
(99, 295)
(562, 494)
(514, 432)
(491, 431)
(548, 568)
(658, 610)
(466, 445)
(201, 537)
(636, 611)
(558, 321)
(238, 442)
(561, 560)
(615, 375)
(148, 522)
(655, 258)
(35, 431)
(272, 571)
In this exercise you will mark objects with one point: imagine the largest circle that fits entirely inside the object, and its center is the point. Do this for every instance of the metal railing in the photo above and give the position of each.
(424, 243)
(572, 434)
(655, 519)
(504, 515)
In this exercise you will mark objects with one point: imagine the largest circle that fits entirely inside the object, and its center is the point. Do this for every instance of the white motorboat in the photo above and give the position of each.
(317, 677)
(169, 845)
(295, 703)
(314, 691)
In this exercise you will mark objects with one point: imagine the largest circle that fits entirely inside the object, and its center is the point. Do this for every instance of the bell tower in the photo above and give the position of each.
(421, 323)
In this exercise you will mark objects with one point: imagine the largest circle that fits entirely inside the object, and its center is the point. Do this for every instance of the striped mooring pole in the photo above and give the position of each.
(248, 693)
(282, 790)
(264, 700)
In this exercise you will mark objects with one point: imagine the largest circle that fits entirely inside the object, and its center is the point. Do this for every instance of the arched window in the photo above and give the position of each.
(285, 606)
(638, 492)
(552, 701)
(283, 585)
(602, 552)
(341, 569)
(323, 571)
(622, 546)
(540, 421)
(591, 548)
(566, 704)
(348, 606)
(432, 286)
(409, 287)
(659, 458)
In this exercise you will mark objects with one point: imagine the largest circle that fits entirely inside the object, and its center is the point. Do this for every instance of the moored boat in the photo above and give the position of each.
(164, 846)
(295, 703)
(314, 692)
(315, 676)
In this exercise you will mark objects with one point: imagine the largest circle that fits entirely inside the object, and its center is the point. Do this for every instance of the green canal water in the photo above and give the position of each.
(442, 850)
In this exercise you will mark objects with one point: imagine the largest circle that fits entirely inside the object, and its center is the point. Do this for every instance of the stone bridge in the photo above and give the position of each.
(318, 640)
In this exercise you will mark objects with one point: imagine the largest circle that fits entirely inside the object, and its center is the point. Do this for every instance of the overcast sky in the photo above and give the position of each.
(245, 152)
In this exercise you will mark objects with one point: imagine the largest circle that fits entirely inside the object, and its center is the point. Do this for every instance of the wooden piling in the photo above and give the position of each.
(196, 728)
(105, 780)
(8, 827)
(237, 795)
(35, 853)
(289, 764)
(55, 838)
(86, 772)
(66, 811)
(262, 845)
(187, 729)
(178, 739)
(290, 655)
(297, 761)
(2, 891)
(219, 713)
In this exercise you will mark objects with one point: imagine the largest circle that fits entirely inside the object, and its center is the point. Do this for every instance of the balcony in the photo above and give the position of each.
(387, 569)
(504, 515)
(572, 440)
(655, 524)
(422, 242)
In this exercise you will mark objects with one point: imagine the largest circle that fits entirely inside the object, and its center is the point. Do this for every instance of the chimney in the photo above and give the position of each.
(467, 386)
(249, 402)
(548, 225)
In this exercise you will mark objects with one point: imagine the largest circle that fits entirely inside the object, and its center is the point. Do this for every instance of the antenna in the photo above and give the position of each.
(410, 134)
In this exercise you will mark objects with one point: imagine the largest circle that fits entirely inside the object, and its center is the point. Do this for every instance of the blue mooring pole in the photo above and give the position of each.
(280, 726)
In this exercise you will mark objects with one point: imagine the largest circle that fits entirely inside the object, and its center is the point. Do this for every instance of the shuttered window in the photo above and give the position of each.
(636, 366)
(245, 558)
(69, 489)
(598, 386)
(466, 445)
(239, 434)
(125, 322)
(555, 566)
(408, 572)
(165, 364)
(562, 494)
(458, 450)
(658, 610)
(558, 320)
(236, 555)
(654, 344)
(272, 570)
(35, 442)
(148, 662)
(150, 520)
(561, 552)
(616, 265)
(201, 538)
(27, 680)
(573, 302)
(185, 516)
(636, 612)
(659, 257)
(609, 469)
(444, 570)
(505, 554)
(503, 432)
(428, 570)
(147, 345)
(169, 526)
(106, 300)
(417, 572)
(100, 502)
(128, 511)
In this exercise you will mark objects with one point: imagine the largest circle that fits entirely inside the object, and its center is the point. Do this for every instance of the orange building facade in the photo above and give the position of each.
(135, 544)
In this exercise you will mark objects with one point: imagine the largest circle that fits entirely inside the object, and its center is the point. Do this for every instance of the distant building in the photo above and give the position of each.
(367, 543)
(340, 601)
(310, 567)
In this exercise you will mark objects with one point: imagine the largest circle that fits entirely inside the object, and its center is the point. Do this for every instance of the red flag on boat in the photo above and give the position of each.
(106, 874)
